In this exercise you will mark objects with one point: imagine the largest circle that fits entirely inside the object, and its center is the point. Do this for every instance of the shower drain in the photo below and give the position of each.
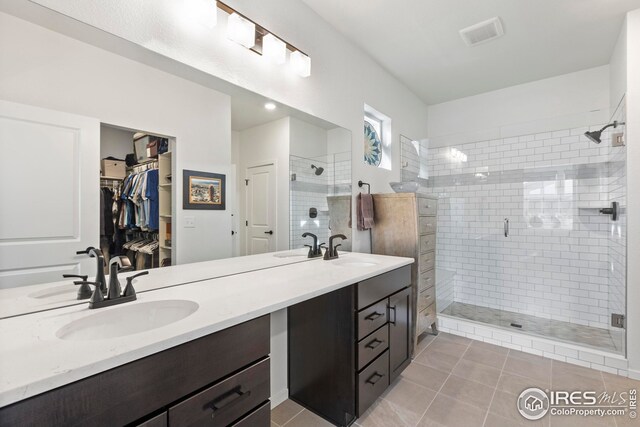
(516, 325)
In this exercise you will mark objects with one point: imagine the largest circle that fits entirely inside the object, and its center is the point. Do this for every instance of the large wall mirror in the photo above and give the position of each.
(289, 173)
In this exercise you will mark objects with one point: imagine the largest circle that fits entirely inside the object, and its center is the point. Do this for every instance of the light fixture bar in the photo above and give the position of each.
(260, 31)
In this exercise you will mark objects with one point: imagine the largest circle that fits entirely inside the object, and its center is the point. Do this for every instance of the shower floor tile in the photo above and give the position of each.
(602, 339)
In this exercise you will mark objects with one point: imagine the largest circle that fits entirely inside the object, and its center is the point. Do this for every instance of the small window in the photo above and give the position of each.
(377, 139)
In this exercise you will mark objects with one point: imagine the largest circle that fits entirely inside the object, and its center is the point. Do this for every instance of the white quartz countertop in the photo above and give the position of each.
(45, 296)
(34, 360)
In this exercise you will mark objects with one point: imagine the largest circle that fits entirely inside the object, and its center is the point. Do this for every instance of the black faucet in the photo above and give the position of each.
(114, 293)
(315, 249)
(117, 263)
(100, 279)
(332, 251)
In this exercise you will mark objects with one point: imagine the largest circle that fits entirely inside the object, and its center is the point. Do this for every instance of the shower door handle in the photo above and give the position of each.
(506, 227)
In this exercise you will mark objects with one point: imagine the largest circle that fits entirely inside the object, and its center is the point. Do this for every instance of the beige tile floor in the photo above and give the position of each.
(457, 382)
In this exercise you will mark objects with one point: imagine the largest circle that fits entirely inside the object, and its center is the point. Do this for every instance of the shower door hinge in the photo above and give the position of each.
(617, 320)
(246, 182)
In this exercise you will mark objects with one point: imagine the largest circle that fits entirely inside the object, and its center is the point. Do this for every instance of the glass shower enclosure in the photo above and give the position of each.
(522, 241)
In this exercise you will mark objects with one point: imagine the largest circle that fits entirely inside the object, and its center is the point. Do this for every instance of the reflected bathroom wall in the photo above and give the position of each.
(320, 198)
(521, 239)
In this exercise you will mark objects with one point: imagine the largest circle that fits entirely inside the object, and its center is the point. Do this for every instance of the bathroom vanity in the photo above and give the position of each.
(209, 360)
(348, 346)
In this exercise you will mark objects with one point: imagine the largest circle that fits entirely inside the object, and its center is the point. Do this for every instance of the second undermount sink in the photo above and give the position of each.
(127, 320)
(58, 292)
(355, 263)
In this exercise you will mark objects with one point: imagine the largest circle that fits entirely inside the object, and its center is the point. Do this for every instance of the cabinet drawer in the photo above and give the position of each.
(427, 279)
(427, 260)
(427, 243)
(261, 417)
(370, 347)
(426, 297)
(427, 206)
(372, 382)
(426, 317)
(378, 287)
(226, 401)
(427, 225)
(371, 318)
(157, 421)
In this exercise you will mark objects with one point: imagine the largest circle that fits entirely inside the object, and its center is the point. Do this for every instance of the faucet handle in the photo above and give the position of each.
(128, 289)
(76, 276)
(97, 293)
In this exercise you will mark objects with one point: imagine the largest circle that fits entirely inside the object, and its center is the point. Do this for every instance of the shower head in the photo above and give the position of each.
(596, 134)
(319, 170)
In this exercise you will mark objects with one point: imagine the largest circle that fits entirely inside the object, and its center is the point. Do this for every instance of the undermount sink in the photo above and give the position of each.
(354, 263)
(127, 320)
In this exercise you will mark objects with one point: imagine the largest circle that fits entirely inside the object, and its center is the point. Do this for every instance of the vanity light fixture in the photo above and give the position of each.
(256, 38)
(274, 49)
(301, 64)
(270, 106)
(241, 30)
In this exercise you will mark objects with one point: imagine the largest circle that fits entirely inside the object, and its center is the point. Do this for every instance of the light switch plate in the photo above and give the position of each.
(189, 222)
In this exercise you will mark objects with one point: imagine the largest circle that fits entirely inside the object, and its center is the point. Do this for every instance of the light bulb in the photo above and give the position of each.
(274, 49)
(301, 64)
(241, 30)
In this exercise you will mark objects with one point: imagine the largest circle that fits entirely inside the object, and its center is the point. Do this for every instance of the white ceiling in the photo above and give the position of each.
(418, 40)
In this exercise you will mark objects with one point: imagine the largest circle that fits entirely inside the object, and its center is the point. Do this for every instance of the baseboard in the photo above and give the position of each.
(634, 375)
(279, 397)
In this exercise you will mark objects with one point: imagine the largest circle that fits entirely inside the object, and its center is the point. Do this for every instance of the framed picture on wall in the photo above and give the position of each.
(203, 190)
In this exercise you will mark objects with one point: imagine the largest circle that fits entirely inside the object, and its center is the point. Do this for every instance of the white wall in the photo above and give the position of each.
(561, 102)
(342, 80)
(618, 69)
(115, 142)
(633, 192)
(49, 70)
(307, 140)
(268, 143)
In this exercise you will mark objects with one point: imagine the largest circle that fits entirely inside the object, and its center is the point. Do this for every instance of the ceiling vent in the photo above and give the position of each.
(482, 32)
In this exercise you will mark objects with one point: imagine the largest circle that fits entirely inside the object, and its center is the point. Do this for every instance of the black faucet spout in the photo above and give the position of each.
(332, 251)
(314, 250)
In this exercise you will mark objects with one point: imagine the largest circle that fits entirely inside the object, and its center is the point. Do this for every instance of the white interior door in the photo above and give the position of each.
(261, 209)
(49, 187)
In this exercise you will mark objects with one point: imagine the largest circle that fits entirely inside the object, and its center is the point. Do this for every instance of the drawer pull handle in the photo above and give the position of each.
(373, 316)
(374, 343)
(373, 379)
(230, 398)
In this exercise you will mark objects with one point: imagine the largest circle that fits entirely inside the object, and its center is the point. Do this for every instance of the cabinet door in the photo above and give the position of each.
(399, 331)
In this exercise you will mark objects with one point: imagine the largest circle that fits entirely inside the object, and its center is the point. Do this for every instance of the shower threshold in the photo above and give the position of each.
(601, 339)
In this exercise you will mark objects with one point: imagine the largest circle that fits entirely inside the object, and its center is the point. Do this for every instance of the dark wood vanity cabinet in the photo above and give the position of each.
(346, 347)
(221, 379)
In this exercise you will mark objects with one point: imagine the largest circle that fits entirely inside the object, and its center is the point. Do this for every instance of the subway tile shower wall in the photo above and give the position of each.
(308, 190)
(562, 259)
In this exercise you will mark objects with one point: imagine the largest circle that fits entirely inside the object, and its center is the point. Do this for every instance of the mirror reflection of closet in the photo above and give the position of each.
(136, 197)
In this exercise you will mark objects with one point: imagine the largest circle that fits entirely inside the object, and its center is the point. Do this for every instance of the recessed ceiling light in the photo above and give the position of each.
(270, 106)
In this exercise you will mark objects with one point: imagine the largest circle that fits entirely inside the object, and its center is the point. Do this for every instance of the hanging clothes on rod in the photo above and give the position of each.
(140, 196)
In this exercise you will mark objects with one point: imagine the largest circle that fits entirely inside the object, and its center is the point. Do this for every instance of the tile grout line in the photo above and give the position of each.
(444, 382)
(291, 419)
(486, 415)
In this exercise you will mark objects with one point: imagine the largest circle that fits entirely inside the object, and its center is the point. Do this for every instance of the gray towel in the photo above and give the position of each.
(365, 211)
